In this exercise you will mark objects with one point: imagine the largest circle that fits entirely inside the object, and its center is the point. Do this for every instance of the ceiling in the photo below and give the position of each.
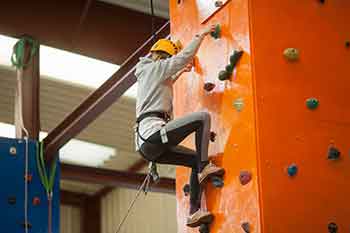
(161, 7)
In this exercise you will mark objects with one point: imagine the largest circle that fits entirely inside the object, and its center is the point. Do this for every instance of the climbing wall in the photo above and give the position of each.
(12, 177)
(282, 120)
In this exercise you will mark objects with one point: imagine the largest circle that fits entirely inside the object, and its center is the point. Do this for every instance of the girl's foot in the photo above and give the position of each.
(198, 218)
(210, 170)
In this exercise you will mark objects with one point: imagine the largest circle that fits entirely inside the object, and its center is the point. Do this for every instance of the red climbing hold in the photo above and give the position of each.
(245, 177)
(212, 136)
(209, 86)
(36, 201)
(28, 177)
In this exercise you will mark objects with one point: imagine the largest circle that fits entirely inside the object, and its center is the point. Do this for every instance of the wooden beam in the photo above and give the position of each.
(91, 215)
(103, 31)
(113, 178)
(72, 198)
(27, 95)
(138, 165)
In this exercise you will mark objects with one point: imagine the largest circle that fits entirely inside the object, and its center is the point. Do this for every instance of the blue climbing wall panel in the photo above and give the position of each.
(12, 177)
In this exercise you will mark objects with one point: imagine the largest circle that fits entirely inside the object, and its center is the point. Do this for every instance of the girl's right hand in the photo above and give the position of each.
(208, 30)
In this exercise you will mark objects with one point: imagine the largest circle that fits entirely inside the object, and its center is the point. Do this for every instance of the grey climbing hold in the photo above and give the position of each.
(292, 170)
(347, 44)
(235, 57)
(332, 227)
(333, 153)
(219, 3)
(291, 54)
(246, 227)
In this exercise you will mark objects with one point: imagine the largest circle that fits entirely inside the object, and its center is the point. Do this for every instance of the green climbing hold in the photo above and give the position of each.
(238, 104)
(235, 57)
(217, 33)
(229, 68)
(312, 103)
(224, 75)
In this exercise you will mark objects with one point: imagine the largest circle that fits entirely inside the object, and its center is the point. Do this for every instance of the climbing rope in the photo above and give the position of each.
(144, 187)
(47, 180)
(17, 57)
(153, 22)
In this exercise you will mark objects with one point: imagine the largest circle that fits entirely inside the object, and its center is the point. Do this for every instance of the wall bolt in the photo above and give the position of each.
(219, 3)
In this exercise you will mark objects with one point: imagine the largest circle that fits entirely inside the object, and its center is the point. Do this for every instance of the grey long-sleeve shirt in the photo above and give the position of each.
(155, 87)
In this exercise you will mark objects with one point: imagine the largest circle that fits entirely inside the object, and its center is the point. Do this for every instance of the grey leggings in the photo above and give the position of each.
(174, 154)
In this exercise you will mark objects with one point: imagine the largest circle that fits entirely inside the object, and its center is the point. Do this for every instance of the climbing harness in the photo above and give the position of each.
(46, 179)
(17, 57)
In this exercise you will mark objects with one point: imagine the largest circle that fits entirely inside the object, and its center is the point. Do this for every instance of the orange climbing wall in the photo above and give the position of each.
(274, 128)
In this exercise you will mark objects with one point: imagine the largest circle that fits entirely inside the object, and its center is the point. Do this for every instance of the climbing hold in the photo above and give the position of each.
(246, 227)
(217, 33)
(333, 153)
(186, 189)
(219, 3)
(209, 86)
(312, 103)
(217, 181)
(229, 68)
(11, 200)
(212, 136)
(291, 54)
(245, 177)
(28, 177)
(36, 201)
(347, 43)
(238, 104)
(224, 75)
(332, 227)
(292, 170)
(27, 225)
(13, 150)
(235, 57)
(204, 228)
(322, 1)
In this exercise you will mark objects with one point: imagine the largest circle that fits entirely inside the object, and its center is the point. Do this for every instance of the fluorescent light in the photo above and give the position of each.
(66, 66)
(75, 151)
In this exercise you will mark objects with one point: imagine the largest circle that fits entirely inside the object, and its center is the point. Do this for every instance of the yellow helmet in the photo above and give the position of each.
(167, 46)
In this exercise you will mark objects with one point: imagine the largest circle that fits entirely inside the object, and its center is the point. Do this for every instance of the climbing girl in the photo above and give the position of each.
(158, 135)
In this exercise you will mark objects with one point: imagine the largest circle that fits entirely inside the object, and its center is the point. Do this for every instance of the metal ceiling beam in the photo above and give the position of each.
(113, 178)
(104, 31)
(99, 100)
